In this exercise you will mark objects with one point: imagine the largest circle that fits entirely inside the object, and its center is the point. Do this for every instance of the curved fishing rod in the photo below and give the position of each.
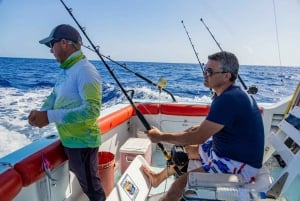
(138, 113)
(252, 89)
(135, 73)
(187, 33)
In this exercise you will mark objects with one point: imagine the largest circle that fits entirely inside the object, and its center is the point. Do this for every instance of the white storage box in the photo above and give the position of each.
(133, 185)
(133, 147)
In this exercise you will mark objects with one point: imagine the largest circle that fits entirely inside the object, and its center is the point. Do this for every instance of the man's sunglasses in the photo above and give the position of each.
(210, 72)
(53, 42)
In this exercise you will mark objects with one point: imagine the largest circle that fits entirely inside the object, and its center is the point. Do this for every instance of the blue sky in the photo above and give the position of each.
(144, 30)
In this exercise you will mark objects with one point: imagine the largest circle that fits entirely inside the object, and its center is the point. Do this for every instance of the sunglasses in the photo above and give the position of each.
(51, 44)
(209, 72)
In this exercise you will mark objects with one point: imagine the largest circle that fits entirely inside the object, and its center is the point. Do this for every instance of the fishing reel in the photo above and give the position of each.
(162, 83)
(252, 90)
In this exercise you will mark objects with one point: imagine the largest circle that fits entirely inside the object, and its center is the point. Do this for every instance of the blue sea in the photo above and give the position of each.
(24, 84)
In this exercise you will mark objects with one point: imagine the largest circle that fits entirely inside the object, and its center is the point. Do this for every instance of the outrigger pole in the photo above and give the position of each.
(187, 33)
(135, 73)
(253, 89)
(138, 113)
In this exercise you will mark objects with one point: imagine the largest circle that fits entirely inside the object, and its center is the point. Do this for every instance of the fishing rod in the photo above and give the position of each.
(187, 33)
(201, 64)
(160, 87)
(252, 89)
(138, 113)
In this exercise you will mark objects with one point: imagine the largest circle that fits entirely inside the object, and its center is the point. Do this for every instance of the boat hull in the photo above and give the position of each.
(117, 123)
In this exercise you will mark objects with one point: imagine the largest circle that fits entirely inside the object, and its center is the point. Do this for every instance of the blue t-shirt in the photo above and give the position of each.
(242, 137)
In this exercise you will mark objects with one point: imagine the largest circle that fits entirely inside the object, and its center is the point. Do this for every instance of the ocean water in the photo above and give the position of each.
(25, 83)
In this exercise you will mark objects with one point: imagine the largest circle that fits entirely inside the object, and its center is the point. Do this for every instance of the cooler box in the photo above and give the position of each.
(133, 147)
(133, 185)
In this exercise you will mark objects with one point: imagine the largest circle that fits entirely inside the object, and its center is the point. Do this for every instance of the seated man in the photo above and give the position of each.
(230, 139)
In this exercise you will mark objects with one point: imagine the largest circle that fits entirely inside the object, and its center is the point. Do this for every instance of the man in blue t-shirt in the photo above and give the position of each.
(229, 140)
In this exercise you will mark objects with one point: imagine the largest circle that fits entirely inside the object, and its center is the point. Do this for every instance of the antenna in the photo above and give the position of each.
(277, 37)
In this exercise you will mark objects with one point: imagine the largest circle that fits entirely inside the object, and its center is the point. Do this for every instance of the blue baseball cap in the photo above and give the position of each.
(63, 31)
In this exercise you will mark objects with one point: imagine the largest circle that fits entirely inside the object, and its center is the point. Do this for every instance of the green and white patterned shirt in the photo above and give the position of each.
(75, 103)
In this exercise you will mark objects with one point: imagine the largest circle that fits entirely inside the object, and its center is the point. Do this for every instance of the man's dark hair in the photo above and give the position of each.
(228, 61)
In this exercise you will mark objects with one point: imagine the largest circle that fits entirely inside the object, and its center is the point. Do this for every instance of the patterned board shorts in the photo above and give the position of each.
(211, 163)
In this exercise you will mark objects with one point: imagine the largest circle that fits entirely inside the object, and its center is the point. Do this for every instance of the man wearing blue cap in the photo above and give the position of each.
(74, 106)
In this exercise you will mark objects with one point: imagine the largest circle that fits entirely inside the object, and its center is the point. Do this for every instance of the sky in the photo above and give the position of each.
(151, 31)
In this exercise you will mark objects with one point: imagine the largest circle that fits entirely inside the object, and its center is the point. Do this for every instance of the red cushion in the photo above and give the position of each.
(10, 184)
(184, 109)
(31, 169)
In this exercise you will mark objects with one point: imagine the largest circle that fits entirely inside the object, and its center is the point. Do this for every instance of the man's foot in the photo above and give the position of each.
(154, 178)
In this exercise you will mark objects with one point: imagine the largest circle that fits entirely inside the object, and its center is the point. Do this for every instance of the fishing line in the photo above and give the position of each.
(161, 88)
(252, 89)
(138, 113)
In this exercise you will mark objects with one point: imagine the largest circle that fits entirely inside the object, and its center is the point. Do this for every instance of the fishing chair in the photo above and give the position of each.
(285, 143)
(204, 186)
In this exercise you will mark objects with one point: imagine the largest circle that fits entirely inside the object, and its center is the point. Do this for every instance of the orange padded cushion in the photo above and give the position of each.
(148, 108)
(114, 119)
